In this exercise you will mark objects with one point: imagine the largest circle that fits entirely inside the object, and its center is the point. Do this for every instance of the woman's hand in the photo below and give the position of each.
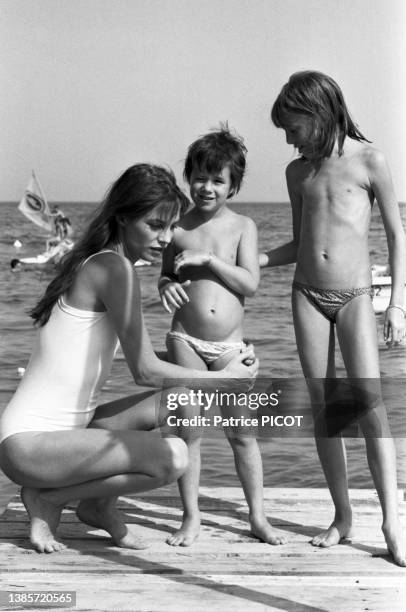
(173, 294)
(394, 328)
(243, 365)
(190, 258)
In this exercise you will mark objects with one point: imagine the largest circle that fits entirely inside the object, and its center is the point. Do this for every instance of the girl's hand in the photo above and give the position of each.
(394, 328)
(190, 258)
(174, 294)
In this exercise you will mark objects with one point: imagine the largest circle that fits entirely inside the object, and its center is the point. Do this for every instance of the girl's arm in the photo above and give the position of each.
(243, 278)
(116, 284)
(287, 253)
(382, 187)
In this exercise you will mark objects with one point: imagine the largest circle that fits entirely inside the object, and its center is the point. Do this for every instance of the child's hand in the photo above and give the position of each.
(174, 294)
(190, 258)
(394, 327)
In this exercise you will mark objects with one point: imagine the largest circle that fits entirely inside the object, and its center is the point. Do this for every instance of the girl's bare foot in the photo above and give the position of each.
(103, 514)
(395, 541)
(188, 532)
(44, 517)
(263, 530)
(338, 530)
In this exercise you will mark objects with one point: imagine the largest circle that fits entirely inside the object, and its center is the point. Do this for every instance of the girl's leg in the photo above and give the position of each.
(248, 465)
(356, 330)
(181, 354)
(315, 343)
(87, 464)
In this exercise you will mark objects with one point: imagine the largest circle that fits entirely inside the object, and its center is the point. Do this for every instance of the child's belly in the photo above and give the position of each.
(213, 313)
(331, 266)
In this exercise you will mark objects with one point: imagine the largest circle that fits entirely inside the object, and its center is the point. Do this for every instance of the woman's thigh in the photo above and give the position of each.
(140, 412)
(63, 458)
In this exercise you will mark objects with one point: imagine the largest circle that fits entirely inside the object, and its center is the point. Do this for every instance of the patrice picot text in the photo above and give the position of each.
(238, 402)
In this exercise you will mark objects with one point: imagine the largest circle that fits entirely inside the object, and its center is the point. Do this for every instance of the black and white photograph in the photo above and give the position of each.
(203, 311)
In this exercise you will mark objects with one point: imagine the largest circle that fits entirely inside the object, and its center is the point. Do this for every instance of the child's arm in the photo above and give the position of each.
(243, 278)
(287, 253)
(381, 183)
(171, 291)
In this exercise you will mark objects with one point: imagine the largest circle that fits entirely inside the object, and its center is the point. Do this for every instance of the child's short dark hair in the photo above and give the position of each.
(214, 151)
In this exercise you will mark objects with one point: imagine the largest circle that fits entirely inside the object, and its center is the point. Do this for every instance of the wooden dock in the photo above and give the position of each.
(226, 569)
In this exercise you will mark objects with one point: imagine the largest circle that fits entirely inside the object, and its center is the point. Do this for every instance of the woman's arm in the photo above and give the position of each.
(171, 291)
(117, 286)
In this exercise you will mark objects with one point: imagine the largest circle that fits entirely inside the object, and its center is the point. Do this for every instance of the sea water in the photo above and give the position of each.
(288, 462)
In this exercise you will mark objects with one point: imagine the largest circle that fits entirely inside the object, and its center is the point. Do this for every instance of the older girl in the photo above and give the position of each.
(332, 187)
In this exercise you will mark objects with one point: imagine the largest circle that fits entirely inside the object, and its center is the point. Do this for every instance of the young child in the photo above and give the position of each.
(332, 187)
(214, 254)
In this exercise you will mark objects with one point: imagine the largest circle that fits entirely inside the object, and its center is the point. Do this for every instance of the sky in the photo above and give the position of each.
(90, 87)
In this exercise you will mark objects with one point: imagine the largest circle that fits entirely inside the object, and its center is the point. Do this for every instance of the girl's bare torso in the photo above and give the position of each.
(336, 202)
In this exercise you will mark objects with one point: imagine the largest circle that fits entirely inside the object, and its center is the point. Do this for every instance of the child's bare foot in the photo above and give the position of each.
(396, 544)
(264, 531)
(188, 532)
(338, 530)
(103, 514)
(44, 517)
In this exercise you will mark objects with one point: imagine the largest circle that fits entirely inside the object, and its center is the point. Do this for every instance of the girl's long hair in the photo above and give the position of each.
(319, 97)
(139, 190)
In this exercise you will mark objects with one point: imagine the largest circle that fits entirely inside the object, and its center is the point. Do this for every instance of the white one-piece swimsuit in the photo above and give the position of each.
(71, 360)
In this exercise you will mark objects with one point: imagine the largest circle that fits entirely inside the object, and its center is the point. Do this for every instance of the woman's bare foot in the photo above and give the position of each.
(338, 530)
(103, 514)
(263, 530)
(44, 517)
(395, 541)
(188, 532)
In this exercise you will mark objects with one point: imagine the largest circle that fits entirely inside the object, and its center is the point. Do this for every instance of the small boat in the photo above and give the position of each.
(382, 286)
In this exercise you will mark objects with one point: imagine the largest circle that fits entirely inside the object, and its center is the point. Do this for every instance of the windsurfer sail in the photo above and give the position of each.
(35, 206)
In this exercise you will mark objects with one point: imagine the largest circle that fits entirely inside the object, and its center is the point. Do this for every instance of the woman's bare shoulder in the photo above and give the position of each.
(107, 268)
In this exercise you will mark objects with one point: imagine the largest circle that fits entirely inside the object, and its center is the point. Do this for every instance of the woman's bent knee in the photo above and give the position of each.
(173, 461)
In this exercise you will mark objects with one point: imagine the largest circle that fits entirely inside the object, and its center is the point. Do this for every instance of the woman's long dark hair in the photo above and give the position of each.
(319, 97)
(139, 190)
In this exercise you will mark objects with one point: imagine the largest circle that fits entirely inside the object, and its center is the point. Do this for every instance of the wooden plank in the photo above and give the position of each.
(172, 594)
(175, 593)
(226, 568)
(314, 561)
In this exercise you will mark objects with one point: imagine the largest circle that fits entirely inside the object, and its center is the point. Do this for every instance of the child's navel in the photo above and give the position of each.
(324, 255)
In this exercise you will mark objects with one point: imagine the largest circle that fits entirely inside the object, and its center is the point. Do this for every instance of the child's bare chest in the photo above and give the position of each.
(336, 187)
(221, 241)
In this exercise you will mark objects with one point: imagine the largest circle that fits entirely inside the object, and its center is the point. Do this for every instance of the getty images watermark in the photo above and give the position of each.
(242, 410)
(285, 407)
